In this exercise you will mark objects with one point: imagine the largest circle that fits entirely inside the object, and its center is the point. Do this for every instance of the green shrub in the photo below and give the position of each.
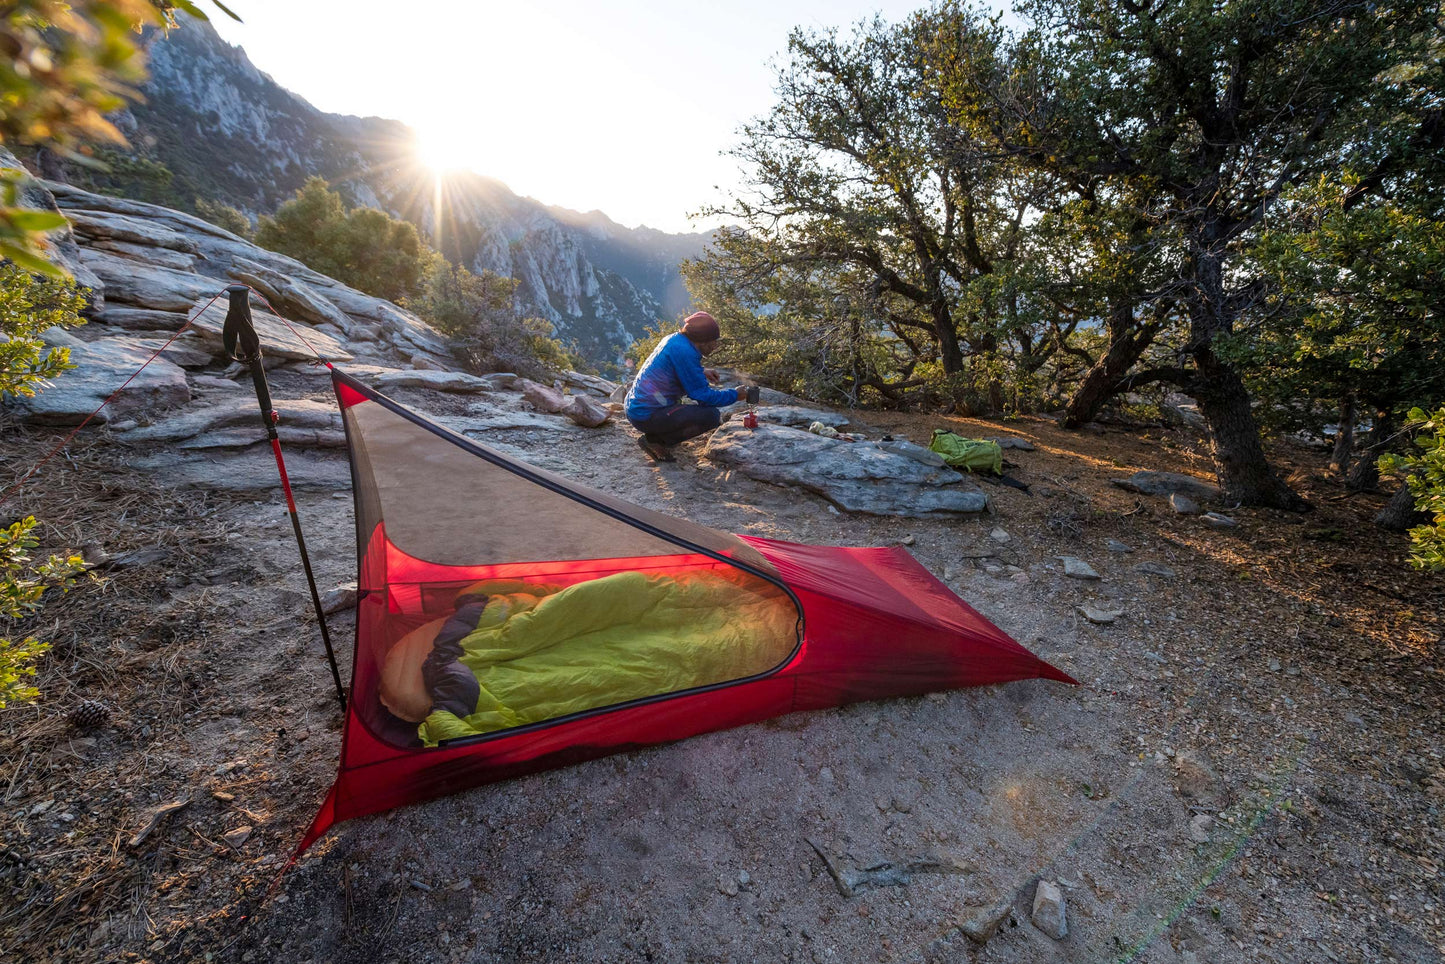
(28, 306)
(22, 584)
(362, 247)
(1426, 476)
(478, 313)
(225, 216)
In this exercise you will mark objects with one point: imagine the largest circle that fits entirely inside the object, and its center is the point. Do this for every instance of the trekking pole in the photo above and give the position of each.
(244, 345)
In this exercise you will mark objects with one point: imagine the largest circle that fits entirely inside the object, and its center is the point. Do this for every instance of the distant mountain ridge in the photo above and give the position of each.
(225, 131)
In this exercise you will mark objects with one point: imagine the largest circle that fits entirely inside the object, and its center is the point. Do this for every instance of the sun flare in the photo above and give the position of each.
(442, 150)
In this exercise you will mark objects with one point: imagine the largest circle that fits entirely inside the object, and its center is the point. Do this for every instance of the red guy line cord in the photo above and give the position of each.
(156, 354)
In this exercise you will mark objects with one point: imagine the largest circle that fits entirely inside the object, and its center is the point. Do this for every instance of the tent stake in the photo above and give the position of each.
(243, 344)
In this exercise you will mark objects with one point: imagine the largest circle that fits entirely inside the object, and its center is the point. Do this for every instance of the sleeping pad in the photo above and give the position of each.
(539, 652)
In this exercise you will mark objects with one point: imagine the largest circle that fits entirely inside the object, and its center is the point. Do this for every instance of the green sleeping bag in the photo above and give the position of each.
(541, 655)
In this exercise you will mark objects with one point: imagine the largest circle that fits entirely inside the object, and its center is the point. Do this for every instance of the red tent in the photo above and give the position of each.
(510, 621)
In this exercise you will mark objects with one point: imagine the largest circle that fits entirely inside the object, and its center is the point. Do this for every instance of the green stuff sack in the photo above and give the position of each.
(967, 454)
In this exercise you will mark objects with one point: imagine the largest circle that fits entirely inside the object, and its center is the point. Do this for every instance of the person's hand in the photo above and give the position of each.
(711, 375)
(742, 393)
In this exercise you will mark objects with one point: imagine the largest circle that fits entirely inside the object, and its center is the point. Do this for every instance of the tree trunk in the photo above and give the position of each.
(1101, 382)
(1244, 472)
(1399, 513)
(951, 354)
(1345, 438)
(996, 401)
(1365, 475)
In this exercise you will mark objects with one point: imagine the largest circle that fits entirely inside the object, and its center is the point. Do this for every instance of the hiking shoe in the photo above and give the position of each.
(655, 450)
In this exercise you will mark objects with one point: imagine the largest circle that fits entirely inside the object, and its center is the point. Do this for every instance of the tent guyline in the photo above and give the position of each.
(70, 436)
(242, 344)
(86, 421)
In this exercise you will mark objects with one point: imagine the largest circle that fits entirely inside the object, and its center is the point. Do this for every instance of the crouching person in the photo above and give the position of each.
(673, 370)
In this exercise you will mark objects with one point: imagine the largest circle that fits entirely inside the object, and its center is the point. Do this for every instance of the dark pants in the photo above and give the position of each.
(678, 423)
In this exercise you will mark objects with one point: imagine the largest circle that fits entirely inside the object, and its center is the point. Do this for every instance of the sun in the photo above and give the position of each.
(443, 148)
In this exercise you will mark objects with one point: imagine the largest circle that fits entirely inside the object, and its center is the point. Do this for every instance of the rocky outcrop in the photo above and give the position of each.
(278, 339)
(102, 368)
(149, 270)
(154, 270)
(130, 249)
(795, 416)
(854, 476)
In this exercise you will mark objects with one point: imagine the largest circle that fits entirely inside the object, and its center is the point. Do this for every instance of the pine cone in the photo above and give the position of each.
(89, 714)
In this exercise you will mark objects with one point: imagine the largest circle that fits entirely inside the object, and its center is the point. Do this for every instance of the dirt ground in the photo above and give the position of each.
(1250, 771)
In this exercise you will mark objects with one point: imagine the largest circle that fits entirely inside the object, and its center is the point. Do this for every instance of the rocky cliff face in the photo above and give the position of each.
(150, 269)
(223, 130)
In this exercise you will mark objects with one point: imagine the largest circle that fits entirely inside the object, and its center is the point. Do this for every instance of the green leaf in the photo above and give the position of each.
(35, 220)
(227, 11)
(31, 262)
(186, 6)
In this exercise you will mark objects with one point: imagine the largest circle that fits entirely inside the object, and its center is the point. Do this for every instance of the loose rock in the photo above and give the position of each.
(1114, 545)
(1048, 913)
(1076, 568)
(1101, 616)
(543, 398)
(501, 381)
(158, 816)
(338, 599)
(1013, 442)
(1182, 504)
(1196, 780)
(985, 923)
(1219, 521)
(585, 412)
(1154, 569)
(237, 837)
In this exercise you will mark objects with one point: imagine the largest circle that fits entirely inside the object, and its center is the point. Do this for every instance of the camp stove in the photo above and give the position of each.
(750, 420)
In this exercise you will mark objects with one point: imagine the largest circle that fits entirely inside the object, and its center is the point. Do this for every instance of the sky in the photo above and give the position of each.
(624, 106)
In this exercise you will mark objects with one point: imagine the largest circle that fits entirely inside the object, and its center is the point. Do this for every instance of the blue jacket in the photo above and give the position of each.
(674, 369)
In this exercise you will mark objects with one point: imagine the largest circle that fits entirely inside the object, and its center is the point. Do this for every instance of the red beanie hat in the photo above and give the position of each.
(700, 328)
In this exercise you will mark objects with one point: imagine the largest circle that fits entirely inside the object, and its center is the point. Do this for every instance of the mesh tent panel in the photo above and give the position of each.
(437, 511)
